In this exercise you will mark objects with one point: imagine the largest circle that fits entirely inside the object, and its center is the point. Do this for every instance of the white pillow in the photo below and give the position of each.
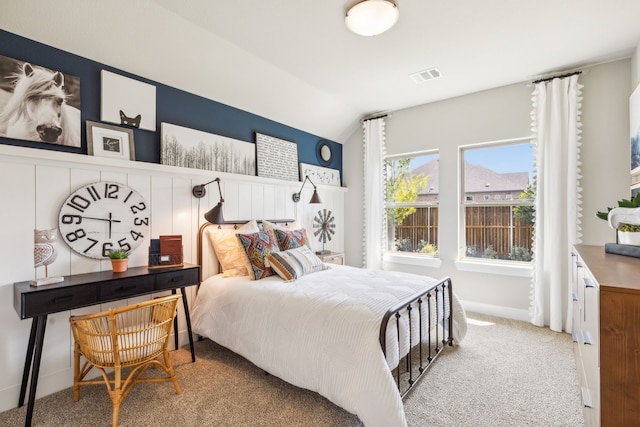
(295, 263)
(228, 249)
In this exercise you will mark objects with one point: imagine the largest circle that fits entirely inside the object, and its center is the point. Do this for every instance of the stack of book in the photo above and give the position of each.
(166, 251)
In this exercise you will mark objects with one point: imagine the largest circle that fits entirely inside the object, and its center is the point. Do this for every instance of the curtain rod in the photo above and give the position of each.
(558, 76)
(375, 116)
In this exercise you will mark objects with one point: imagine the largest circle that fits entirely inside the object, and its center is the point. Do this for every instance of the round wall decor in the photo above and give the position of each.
(104, 216)
(324, 152)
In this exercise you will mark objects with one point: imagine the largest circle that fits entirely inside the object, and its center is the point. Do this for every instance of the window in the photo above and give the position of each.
(498, 201)
(412, 203)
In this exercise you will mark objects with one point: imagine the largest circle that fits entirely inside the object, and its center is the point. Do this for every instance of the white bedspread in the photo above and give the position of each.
(320, 332)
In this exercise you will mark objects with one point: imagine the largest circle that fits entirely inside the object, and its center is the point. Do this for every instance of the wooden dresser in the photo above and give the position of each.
(606, 335)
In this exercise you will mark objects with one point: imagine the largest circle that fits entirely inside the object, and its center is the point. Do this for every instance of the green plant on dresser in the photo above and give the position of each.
(119, 260)
(625, 219)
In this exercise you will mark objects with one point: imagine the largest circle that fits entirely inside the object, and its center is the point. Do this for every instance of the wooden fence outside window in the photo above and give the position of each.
(491, 232)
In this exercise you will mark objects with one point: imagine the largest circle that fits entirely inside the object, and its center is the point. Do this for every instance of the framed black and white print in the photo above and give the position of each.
(276, 158)
(127, 101)
(191, 148)
(39, 104)
(320, 175)
(110, 141)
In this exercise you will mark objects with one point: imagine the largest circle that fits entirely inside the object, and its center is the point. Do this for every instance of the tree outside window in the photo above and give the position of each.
(411, 204)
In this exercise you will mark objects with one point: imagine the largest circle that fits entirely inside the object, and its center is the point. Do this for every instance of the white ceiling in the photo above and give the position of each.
(294, 61)
(476, 45)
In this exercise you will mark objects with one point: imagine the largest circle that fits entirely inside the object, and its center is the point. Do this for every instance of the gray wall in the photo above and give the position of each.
(492, 115)
(635, 67)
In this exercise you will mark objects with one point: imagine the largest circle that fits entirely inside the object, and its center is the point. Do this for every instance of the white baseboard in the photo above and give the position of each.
(496, 310)
(49, 383)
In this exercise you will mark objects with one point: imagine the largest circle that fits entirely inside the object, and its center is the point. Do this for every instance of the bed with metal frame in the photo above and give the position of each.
(412, 332)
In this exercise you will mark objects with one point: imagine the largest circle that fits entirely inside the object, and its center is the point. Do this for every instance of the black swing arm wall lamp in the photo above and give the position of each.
(314, 199)
(214, 216)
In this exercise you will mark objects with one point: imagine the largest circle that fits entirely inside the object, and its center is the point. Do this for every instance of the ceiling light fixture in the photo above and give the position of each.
(372, 17)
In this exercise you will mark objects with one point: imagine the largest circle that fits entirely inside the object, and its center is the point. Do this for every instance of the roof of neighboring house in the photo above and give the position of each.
(478, 179)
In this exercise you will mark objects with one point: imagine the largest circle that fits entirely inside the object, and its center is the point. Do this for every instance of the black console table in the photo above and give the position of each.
(81, 290)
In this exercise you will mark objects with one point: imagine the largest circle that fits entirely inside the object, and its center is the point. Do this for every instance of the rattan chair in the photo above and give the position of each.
(131, 337)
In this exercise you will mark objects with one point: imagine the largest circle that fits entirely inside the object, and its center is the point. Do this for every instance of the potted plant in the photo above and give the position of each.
(629, 234)
(119, 260)
(625, 219)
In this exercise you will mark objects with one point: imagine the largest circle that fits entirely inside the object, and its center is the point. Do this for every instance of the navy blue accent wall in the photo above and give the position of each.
(172, 106)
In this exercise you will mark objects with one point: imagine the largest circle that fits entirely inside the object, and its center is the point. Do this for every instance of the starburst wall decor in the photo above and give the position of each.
(324, 228)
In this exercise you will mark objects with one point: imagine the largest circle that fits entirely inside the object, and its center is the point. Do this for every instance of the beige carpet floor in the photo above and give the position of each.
(505, 373)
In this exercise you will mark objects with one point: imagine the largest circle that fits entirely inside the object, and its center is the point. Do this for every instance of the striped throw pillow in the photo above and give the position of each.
(295, 263)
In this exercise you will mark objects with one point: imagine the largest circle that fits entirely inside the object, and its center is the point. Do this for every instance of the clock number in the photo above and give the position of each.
(141, 221)
(79, 203)
(106, 248)
(138, 208)
(68, 219)
(75, 235)
(90, 246)
(136, 235)
(93, 193)
(111, 191)
(128, 195)
(125, 246)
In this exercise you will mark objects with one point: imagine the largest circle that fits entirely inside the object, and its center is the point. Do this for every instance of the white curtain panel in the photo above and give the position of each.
(374, 152)
(556, 126)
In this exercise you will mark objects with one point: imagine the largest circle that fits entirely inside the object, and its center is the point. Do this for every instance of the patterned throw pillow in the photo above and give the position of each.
(228, 249)
(257, 246)
(295, 263)
(291, 239)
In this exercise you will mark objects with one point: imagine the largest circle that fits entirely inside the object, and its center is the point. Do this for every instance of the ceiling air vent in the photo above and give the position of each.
(424, 75)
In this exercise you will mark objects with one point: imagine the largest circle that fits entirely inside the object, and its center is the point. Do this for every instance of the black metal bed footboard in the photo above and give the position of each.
(429, 314)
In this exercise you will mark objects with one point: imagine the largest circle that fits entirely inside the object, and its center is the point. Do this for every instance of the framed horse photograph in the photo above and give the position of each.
(38, 104)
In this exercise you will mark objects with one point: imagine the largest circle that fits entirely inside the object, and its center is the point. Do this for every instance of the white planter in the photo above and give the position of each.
(629, 238)
(618, 216)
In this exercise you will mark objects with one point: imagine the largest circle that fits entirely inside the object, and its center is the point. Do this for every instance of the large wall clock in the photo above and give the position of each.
(103, 216)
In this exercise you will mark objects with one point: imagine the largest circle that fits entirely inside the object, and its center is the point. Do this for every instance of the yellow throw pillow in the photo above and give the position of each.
(228, 249)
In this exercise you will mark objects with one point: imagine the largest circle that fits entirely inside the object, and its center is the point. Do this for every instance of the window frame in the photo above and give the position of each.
(411, 258)
(477, 264)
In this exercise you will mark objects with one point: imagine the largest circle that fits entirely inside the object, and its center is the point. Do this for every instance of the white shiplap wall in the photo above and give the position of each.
(33, 185)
